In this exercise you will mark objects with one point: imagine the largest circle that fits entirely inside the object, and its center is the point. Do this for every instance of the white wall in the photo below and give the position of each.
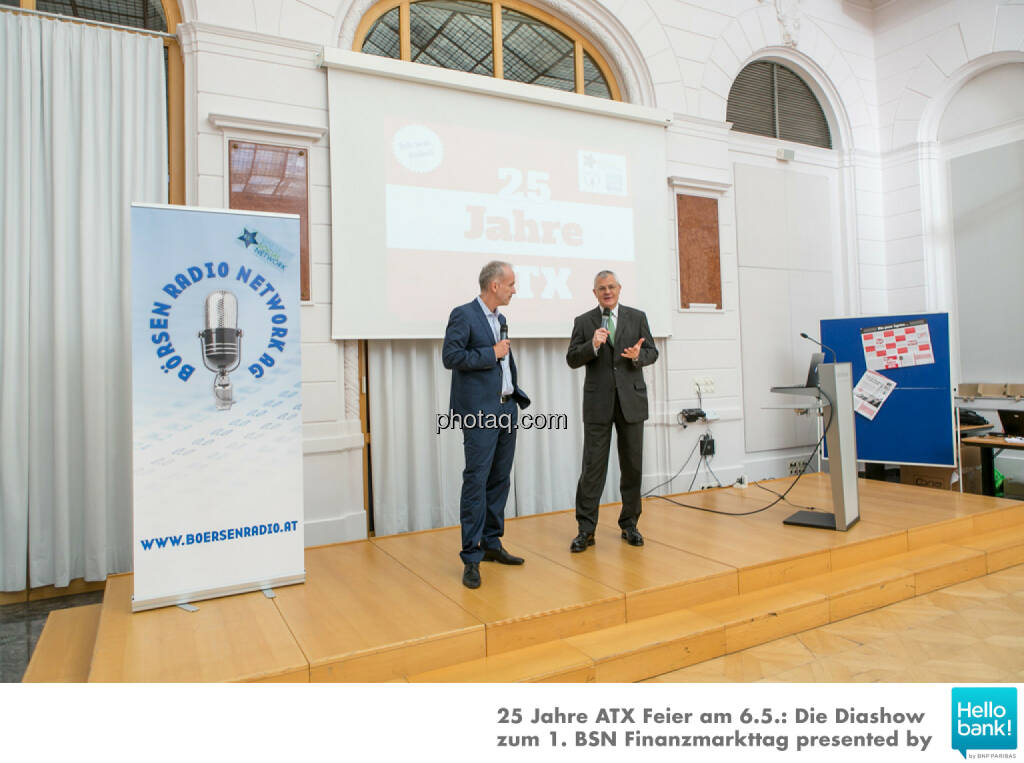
(994, 99)
(883, 76)
(247, 85)
(785, 247)
(988, 220)
(925, 52)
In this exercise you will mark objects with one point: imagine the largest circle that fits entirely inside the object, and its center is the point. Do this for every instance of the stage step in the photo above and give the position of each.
(63, 653)
(554, 661)
(659, 644)
(1003, 548)
(394, 608)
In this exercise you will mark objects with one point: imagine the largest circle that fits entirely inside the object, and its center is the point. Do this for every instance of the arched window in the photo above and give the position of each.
(508, 40)
(772, 100)
(141, 14)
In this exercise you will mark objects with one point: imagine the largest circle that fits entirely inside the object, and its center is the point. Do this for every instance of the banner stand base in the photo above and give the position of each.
(263, 585)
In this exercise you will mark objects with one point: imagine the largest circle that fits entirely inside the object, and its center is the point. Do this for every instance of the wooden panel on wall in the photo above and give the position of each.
(700, 272)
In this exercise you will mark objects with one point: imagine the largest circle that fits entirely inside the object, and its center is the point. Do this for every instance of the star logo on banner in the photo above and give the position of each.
(248, 237)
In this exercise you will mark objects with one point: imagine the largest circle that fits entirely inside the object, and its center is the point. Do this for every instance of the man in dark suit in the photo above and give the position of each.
(614, 342)
(485, 397)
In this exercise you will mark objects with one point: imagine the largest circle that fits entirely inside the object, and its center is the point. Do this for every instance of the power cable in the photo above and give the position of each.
(782, 496)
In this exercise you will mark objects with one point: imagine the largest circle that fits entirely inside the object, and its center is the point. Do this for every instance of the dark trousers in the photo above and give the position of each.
(485, 484)
(597, 439)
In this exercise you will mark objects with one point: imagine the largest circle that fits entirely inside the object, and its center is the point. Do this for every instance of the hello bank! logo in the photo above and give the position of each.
(984, 719)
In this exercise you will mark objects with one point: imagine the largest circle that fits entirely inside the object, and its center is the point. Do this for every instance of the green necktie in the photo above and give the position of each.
(611, 329)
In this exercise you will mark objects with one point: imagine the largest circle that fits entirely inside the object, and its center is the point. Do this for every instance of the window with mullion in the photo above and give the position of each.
(142, 14)
(594, 82)
(459, 35)
(384, 37)
(536, 53)
(452, 35)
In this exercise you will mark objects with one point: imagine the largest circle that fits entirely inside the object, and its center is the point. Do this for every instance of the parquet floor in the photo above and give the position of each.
(969, 632)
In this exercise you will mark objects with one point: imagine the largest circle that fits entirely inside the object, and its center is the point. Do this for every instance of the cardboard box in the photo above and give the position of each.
(1013, 488)
(988, 389)
(972, 480)
(940, 477)
(944, 477)
(970, 456)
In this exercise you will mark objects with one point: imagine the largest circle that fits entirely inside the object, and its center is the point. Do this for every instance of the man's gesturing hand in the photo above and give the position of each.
(633, 352)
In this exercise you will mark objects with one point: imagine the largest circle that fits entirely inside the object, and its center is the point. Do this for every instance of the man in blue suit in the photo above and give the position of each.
(486, 399)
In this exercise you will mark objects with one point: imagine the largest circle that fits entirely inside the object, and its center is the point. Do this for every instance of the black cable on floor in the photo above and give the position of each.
(692, 450)
(782, 496)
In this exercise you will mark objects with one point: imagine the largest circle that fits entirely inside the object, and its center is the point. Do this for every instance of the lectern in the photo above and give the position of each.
(835, 390)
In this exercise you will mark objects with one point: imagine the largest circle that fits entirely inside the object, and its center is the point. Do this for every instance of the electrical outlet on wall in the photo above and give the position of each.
(706, 384)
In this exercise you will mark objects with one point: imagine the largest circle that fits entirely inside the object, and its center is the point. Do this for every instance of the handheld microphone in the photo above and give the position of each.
(503, 331)
(835, 358)
(606, 314)
(221, 343)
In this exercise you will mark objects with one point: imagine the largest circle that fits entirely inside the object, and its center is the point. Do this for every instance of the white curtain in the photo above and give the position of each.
(417, 473)
(82, 135)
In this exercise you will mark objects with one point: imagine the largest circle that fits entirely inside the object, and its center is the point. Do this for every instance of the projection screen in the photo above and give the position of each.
(434, 173)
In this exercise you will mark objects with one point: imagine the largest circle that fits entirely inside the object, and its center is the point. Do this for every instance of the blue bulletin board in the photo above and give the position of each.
(915, 424)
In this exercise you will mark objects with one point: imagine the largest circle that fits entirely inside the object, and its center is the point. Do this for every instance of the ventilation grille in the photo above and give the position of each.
(771, 100)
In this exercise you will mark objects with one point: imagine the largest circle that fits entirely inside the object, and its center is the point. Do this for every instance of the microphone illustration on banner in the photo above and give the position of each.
(221, 343)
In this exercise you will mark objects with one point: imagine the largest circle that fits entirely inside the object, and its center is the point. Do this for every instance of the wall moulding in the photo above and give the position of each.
(698, 186)
(307, 132)
(207, 30)
(338, 444)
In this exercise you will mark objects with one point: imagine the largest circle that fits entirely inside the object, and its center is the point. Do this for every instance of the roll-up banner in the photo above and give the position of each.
(216, 403)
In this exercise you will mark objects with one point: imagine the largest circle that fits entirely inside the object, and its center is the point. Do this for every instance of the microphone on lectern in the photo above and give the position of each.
(823, 346)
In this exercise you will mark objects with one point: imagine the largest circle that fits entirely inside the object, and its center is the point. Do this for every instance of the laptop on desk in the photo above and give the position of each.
(811, 387)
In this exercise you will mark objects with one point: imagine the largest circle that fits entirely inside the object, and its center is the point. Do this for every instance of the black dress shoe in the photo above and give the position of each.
(501, 556)
(471, 575)
(581, 541)
(632, 536)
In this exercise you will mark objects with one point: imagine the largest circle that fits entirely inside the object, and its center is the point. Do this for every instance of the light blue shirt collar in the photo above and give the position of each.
(487, 311)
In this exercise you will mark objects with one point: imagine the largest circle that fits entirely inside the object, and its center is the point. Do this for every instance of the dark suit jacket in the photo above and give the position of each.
(476, 374)
(608, 372)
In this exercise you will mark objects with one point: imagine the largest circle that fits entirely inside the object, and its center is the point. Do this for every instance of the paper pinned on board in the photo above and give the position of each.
(870, 394)
(897, 345)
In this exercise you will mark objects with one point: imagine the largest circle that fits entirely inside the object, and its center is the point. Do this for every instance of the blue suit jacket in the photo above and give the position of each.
(476, 374)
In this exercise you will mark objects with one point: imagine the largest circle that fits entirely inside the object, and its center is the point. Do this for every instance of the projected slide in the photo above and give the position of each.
(429, 183)
(558, 213)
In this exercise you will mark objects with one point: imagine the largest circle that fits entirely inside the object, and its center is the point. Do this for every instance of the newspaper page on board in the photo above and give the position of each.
(871, 393)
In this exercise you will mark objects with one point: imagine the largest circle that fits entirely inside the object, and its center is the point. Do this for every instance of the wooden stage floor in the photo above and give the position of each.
(394, 608)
